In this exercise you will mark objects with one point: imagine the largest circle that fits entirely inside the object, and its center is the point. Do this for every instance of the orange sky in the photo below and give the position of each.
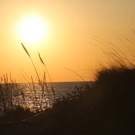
(70, 41)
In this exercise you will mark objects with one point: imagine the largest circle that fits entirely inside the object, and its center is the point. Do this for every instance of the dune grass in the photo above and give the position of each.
(13, 96)
(42, 83)
(12, 101)
(104, 106)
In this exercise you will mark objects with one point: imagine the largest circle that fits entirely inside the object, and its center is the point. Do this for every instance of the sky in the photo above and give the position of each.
(79, 32)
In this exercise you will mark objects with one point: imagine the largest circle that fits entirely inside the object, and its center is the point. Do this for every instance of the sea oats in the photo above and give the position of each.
(25, 49)
(41, 59)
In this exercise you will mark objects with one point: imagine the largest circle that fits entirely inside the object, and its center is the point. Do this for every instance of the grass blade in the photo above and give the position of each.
(25, 49)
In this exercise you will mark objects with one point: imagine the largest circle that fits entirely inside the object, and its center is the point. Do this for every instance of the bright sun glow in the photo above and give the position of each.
(32, 30)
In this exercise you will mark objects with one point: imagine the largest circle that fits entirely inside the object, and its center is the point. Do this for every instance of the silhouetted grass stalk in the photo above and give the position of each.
(47, 73)
(42, 83)
(11, 95)
(31, 60)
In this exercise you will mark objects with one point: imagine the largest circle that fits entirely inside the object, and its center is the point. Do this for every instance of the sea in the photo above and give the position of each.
(36, 99)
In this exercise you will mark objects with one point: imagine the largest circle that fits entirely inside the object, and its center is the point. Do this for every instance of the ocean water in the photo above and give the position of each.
(62, 88)
(35, 98)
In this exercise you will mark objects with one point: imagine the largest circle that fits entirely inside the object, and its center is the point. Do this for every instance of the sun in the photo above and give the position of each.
(32, 30)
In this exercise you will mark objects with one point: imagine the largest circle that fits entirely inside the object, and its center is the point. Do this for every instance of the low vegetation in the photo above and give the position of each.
(104, 106)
